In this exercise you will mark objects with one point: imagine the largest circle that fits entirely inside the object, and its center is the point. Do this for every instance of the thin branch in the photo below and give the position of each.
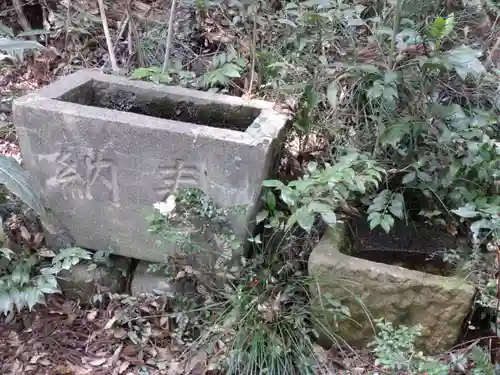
(492, 53)
(130, 43)
(22, 18)
(166, 60)
(109, 42)
(133, 34)
(67, 24)
(254, 52)
(395, 30)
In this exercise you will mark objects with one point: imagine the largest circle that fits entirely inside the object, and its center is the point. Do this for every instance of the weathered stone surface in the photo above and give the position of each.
(438, 304)
(101, 169)
(82, 282)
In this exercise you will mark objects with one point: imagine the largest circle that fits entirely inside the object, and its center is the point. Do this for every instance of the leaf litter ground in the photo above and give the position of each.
(65, 337)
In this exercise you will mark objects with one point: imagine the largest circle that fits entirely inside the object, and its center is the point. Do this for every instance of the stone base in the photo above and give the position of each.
(150, 282)
(374, 290)
(82, 282)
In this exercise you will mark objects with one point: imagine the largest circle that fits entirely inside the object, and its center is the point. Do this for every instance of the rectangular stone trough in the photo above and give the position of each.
(373, 290)
(103, 149)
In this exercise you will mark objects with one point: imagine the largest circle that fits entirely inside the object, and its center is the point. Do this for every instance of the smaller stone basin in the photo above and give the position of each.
(373, 289)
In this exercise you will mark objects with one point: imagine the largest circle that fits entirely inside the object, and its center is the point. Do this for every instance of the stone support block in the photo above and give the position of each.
(83, 281)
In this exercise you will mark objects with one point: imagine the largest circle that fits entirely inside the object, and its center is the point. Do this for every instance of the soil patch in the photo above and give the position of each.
(415, 246)
(156, 103)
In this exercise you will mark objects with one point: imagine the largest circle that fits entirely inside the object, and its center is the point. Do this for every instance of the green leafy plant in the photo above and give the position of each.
(224, 67)
(28, 280)
(323, 190)
(190, 214)
(260, 313)
(394, 350)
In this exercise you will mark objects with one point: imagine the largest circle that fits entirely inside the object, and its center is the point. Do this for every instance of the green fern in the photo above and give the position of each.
(482, 362)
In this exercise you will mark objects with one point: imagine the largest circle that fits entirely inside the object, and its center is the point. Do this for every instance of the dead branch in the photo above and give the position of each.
(21, 17)
(109, 42)
(67, 23)
(492, 53)
(166, 60)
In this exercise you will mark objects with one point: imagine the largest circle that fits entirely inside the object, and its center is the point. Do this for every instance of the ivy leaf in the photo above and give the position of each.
(231, 70)
(380, 201)
(274, 183)
(423, 176)
(396, 207)
(376, 91)
(374, 219)
(288, 196)
(409, 177)
(332, 92)
(270, 201)
(33, 297)
(394, 134)
(386, 222)
(261, 216)
(312, 167)
(477, 225)
(468, 211)
(16, 179)
(303, 217)
(466, 62)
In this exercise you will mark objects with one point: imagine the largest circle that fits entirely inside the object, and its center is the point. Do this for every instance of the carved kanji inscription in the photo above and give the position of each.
(177, 176)
(79, 172)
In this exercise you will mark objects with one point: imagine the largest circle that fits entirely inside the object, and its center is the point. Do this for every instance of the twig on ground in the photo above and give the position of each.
(168, 46)
(109, 42)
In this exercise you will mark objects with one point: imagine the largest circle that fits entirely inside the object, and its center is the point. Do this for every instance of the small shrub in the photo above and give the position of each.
(28, 279)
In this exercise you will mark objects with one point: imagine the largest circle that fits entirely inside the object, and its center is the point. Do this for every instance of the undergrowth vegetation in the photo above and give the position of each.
(407, 92)
(395, 117)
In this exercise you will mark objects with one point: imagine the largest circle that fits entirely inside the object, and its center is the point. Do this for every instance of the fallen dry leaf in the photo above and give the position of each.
(110, 322)
(98, 362)
(123, 367)
(92, 315)
(25, 234)
(116, 355)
